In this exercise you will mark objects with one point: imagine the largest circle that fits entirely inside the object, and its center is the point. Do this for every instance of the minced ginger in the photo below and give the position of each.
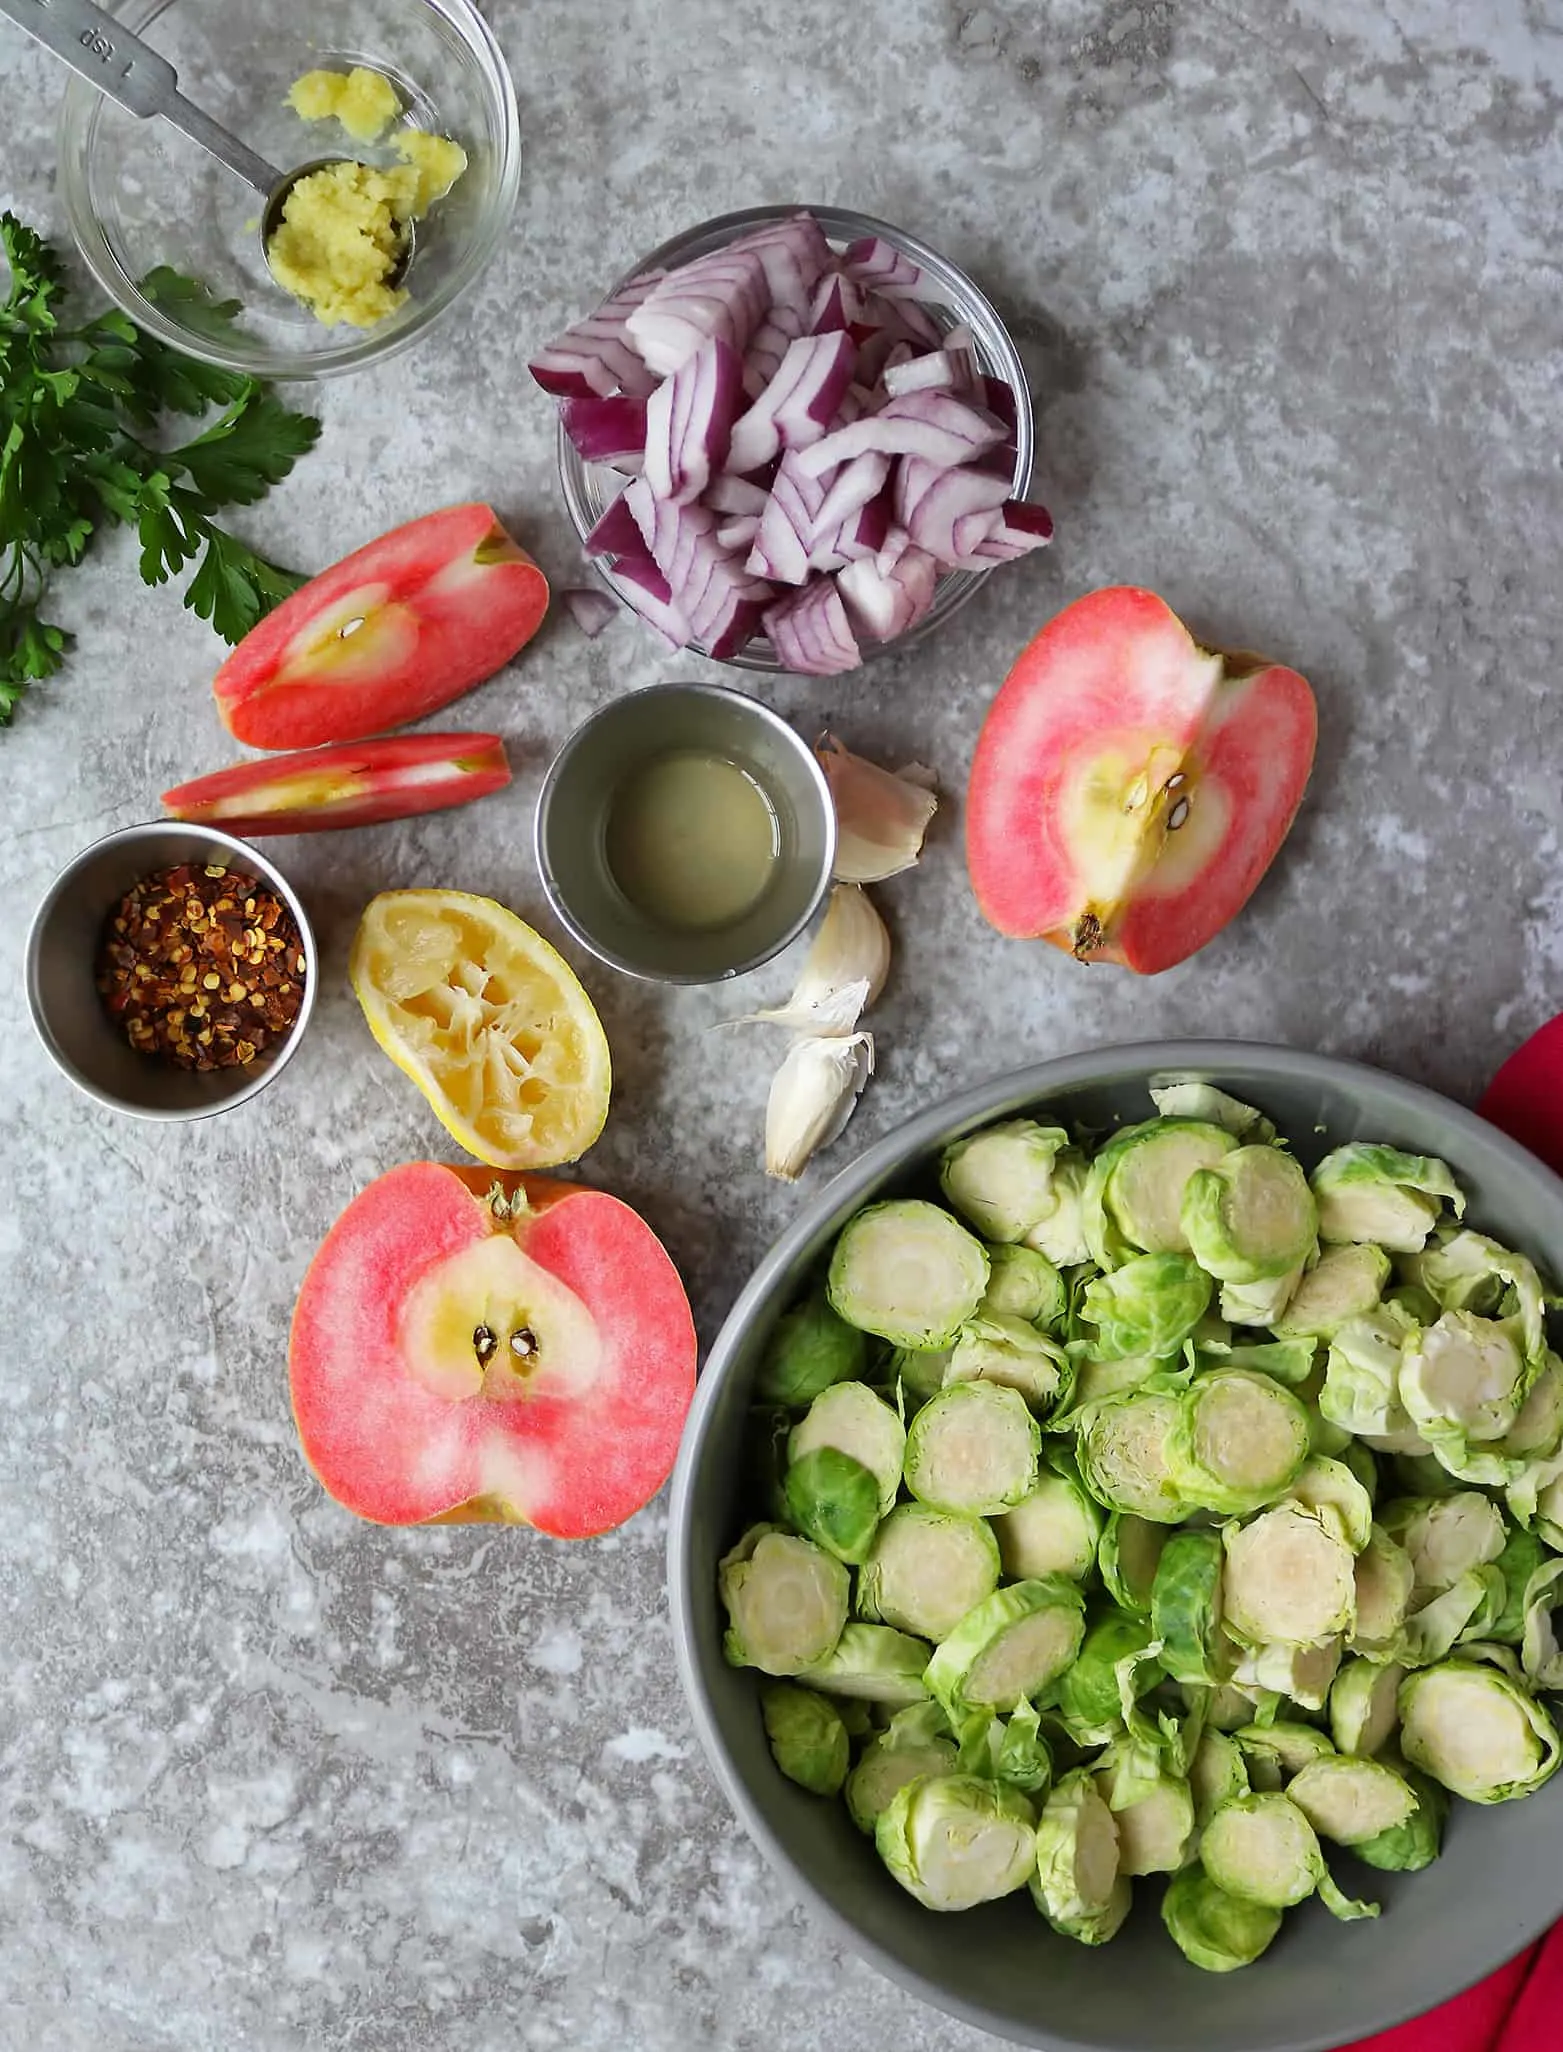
(344, 227)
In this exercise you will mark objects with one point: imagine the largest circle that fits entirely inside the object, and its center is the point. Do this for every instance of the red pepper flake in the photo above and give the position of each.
(172, 938)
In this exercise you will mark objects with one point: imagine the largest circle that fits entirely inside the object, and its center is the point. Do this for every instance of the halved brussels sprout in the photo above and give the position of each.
(1463, 1611)
(849, 1417)
(1010, 1647)
(1186, 1608)
(1002, 1178)
(1363, 1699)
(1378, 1194)
(1361, 1392)
(1281, 1749)
(786, 1601)
(873, 1664)
(1523, 1554)
(1289, 1578)
(1477, 1732)
(1060, 1233)
(1012, 1749)
(1535, 1500)
(1329, 1488)
(1056, 1529)
(1088, 1703)
(1128, 1556)
(1217, 1772)
(1463, 1380)
(1347, 1282)
(1538, 1430)
(1213, 1107)
(1148, 1305)
(1445, 1536)
(833, 1500)
(918, 1373)
(810, 1349)
(1239, 1440)
(1291, 1361)
(1304, 1673)
(956, 1840)
(1351, 1800)
(926, 1569)
(1075, 1883)
(1024, 1284)
(1466, 1271)
(1007, 1350)
(1097, 1381)
(1134, 1196)
(1384, 1581)
(1417, 1843)
(974, 1447)
(909, 1272)
(1230, 1708)
(808, 1738)
(1250, 1218)
(1212, 1929)
(1262, 1849)
(1155, 1812)
(916, 1743)
(1259, 1303)
(1540, 1652)
(1122, 1451)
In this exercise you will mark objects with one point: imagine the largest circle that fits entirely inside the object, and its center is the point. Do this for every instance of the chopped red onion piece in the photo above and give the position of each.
(703, 576)
(930, 498)
(689, 422)
(999, 398)
(590, 609)
(885, 602)
(836, 305)
(780, 328)
(616, 532)
(862, 532)
(930, 424)
(648, 593)
(796, 407)
(722, 294)
(853, 486)
(597, 356)
(795, 255)
(739, 532)
(606, 430)
(728, 494)
(935, 371)
(810, 632)
(732, 632)
(880, 266)
(1024, 528)
(782, 544)
(961, 348)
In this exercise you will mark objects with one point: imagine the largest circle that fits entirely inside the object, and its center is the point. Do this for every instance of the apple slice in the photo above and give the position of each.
(355, 783)
(390, 633)
(471, 1346)
(1525, 1098)
(1130, 788)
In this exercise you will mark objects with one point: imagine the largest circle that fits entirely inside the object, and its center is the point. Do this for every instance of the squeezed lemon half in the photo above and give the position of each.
(488, 1020)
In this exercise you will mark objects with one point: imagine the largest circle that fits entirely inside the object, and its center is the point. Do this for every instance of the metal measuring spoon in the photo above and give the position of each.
(142, 81)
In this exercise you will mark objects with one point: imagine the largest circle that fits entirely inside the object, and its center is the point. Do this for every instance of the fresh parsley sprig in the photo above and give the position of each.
(82, 410)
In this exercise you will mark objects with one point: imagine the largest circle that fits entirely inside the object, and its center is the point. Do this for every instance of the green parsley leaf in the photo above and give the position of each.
(235, 587)
(253, 446)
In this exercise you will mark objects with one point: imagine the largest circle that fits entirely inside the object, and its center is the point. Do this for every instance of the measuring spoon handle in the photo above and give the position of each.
(104, 52)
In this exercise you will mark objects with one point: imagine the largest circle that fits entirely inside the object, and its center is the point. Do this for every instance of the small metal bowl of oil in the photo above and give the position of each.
(685, 833)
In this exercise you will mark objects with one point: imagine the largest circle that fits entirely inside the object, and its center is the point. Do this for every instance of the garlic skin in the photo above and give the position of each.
(813, 1094)
(843, 972)
(881, 817)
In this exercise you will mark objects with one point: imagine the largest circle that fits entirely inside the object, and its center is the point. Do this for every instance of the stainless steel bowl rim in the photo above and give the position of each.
(244, 855)
(900, 1151)
(727, 695)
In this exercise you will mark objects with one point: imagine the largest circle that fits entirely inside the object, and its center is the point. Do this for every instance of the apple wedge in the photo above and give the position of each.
(1129, 787)
(473, 1346)
(355, 783)
(392, 632)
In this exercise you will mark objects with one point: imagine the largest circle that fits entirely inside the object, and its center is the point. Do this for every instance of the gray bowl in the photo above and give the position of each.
(62, 955)
(1500, 1881)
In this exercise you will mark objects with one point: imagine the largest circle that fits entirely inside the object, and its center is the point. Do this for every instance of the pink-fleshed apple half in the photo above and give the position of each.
(472, 1346)
(353, 783)
(392, 632)
(1130, 788)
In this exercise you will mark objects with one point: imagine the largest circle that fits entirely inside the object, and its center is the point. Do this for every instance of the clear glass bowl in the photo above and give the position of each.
(589, 487)
(139, 194)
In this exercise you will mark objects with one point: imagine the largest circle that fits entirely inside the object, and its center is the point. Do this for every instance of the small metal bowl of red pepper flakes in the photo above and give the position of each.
(171, 971)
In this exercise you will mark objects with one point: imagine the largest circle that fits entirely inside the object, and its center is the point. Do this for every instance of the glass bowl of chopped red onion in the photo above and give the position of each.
(792, 438)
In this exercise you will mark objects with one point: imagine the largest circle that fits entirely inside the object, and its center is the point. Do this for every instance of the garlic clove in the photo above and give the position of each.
(881, 818)
(813, 1094)
(843, 972)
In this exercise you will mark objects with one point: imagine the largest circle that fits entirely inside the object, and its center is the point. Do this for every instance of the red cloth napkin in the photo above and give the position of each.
(1520, 2007)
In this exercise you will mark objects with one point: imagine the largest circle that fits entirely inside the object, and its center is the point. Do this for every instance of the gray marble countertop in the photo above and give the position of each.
(1287, 284)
